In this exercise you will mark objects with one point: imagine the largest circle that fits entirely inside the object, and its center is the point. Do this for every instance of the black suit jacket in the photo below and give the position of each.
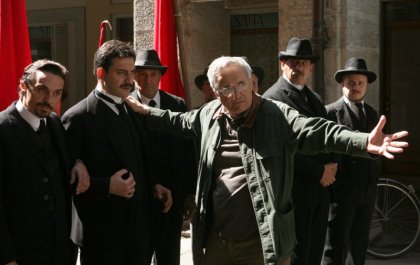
(29, 231)
(174, 159)
(355, 174)
(106, 144)
(309, 168)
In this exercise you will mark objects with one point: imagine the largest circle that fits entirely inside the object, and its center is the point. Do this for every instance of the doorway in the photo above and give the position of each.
(255, 36)
(401, 94)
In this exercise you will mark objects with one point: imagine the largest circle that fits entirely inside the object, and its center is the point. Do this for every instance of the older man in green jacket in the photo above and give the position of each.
(245, 210)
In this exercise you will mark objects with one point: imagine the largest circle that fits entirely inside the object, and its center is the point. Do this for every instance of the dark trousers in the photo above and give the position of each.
(74, 251)
(311, 221)
(349, 228)
(118, 235)
(166, 233)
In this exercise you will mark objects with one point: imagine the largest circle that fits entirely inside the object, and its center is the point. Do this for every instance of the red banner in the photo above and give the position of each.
(15, 52)
(166, 46)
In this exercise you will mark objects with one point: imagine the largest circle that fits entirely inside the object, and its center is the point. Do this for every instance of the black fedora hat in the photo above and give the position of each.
(299, 49)
(200, 79)
(258, 71)
(149, 59)
(355, 66)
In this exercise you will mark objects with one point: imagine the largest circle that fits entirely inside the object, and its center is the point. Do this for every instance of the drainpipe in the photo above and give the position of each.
(318, 42)
(182, 54)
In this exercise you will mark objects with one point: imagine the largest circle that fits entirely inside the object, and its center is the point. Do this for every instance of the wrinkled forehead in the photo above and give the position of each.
(231, 72)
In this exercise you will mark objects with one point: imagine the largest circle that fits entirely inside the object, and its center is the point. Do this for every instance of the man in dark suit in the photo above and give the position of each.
(355, 188)
(312, 173)
(110, 141)
(34, 172)
(174, 161)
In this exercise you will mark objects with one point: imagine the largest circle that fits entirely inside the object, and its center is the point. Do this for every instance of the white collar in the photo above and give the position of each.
(352, 104)
(28, 116)
(116, 99)
(146, 100)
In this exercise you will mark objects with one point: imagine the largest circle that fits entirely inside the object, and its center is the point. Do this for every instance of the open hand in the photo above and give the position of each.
(137, 106)
(385, 144)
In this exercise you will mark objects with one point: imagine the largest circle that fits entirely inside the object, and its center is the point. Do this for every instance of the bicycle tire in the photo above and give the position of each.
(395, 224)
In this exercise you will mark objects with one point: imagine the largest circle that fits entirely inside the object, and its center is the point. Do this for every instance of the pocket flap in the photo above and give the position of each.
(274, 149)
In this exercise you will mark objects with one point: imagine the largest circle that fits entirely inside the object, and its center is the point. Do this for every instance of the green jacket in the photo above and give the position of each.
(267, 146)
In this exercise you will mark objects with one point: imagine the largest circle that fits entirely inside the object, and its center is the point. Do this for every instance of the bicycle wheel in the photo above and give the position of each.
(395, 223)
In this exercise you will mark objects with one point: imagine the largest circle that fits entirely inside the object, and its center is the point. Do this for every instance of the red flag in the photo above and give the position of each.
(15, 51)
(166, 46)
(102, 32)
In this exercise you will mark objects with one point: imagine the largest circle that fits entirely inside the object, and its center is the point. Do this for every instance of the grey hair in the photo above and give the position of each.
(220, 63)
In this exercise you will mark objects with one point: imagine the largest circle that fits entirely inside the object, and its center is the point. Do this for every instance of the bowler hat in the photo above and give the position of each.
(200, 79)
(299, 49)
(149, 59)
(355, 66)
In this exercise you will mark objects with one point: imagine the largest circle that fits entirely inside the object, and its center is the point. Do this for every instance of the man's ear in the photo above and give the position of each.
(23, 86)
(216, 93)
(100, 73)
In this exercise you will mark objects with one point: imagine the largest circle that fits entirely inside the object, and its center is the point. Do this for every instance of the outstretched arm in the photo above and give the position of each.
(385, 144)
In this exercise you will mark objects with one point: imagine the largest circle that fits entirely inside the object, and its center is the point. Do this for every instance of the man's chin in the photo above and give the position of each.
(43, 114)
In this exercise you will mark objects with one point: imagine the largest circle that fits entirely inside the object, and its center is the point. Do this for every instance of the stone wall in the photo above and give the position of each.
(143, 24)
(295, 20)
(351, 28)
(204, 36)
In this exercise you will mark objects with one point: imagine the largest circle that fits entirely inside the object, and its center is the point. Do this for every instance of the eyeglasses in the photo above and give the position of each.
(229, 90)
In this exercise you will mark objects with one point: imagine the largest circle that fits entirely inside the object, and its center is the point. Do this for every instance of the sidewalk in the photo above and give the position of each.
(411, 258)
(186, 255)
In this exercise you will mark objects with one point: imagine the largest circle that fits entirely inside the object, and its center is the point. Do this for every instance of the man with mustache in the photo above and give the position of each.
(355, 188)
(111, 142)
(174, 158)
(35, 195)
(312, 173)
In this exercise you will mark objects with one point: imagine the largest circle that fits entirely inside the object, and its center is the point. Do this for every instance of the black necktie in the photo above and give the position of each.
(121, 110)
(152, 103)
(362, 115)
(120, 106)
(41, 128)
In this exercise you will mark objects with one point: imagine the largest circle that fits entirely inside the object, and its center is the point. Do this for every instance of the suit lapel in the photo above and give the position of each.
(58, 138)
(371, 116)
(346, 115)
(26, 135)
(168, 102)
(109, 123)
(163, 100)
(315, 103)
(296, 101)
